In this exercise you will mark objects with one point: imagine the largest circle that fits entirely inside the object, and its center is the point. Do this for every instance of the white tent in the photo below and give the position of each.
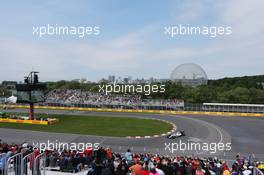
(11, 99)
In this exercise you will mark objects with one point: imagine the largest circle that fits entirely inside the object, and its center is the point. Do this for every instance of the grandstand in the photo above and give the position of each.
(67, 97)
(77, 98)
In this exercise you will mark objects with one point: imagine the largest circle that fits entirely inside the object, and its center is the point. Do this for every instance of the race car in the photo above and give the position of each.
(176, 135)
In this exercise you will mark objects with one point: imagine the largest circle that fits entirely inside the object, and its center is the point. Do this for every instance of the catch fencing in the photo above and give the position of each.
(203, 107)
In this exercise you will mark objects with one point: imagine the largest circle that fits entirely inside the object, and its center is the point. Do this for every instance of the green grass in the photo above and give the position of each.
(98, 125)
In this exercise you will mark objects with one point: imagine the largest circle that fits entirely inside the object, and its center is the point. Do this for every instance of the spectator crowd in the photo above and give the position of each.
(106, 162)
(69, 96)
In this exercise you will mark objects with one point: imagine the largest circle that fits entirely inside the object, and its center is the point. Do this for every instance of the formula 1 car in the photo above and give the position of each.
(176, 135)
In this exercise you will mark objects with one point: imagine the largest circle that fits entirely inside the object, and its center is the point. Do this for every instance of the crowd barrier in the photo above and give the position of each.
(27, 165)
(13, 165)
(39, 165)
(142, 111)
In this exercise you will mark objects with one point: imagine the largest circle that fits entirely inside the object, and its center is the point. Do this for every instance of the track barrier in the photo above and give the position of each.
(141, 111)
(36, 122)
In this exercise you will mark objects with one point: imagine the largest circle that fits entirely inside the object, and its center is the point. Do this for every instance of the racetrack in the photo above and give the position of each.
(245, 134)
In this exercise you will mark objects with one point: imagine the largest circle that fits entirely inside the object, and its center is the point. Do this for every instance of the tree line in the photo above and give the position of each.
(247, 89)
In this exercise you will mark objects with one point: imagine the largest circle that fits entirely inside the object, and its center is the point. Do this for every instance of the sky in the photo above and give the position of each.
(131, 40)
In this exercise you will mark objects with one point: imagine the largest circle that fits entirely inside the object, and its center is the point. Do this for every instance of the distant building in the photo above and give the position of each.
(111, 78)
(129, 80)
(9, 84)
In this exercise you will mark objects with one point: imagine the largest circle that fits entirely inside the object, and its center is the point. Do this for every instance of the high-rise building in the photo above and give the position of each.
(111, 78)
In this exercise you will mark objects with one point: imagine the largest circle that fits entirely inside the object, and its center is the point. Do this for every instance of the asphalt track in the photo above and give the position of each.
(246, 135)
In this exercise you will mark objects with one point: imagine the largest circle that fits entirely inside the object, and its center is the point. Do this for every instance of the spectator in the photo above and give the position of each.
(128, 155)
(136, 169)
(3, 158)
(226, 170)
(73, 97)
(107, 162)
(199, 170)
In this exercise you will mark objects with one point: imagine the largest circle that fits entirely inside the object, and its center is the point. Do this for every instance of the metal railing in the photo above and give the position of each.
(239, 108)
(39, 164)
(13, 165)
(28, 165)
(28, 161)
(256, 171)
(243, 108)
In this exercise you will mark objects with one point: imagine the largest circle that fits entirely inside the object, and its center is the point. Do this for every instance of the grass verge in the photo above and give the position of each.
(98, 125)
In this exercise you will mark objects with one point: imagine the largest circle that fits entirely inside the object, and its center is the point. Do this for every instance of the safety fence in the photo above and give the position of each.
(189, 109)
(205, 107)
(31, 164)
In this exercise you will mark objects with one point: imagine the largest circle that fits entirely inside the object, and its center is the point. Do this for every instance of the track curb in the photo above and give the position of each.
(174, 128)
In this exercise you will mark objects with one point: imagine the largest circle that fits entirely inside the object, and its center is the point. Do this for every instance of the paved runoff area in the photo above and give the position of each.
(245, 134)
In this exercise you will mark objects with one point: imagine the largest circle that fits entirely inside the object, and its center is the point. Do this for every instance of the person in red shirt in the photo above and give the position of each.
(88, 151)
(144, 172)
(109, 154)
(144, 169)
(136, 169)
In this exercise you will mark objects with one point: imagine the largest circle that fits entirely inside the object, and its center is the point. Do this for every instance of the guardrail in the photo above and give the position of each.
(205, 107)
(209, 107)
(122, 109)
